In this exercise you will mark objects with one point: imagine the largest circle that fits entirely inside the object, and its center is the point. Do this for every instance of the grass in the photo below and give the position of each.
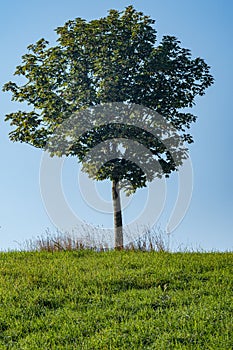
(115, 300)
(93, 238)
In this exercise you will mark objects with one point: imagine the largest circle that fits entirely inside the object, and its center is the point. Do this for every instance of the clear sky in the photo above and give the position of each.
(205, 27)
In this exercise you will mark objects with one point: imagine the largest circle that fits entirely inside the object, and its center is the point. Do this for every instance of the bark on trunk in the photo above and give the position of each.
(117, 215)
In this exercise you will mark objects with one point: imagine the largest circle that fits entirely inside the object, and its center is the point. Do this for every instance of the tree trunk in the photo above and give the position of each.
(118, 231)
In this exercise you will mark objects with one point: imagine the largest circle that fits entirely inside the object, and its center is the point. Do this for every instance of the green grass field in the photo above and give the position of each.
(116, 300)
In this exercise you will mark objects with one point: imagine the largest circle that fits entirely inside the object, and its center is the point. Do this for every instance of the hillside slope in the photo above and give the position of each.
(116, 300)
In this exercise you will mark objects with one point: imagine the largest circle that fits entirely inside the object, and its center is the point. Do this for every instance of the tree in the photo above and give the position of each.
(111, 59)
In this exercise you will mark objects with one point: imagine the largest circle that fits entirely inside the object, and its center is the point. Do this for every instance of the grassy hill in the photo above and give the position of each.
(115, 300)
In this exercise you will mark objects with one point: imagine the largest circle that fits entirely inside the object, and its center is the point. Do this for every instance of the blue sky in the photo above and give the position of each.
(206, 28)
